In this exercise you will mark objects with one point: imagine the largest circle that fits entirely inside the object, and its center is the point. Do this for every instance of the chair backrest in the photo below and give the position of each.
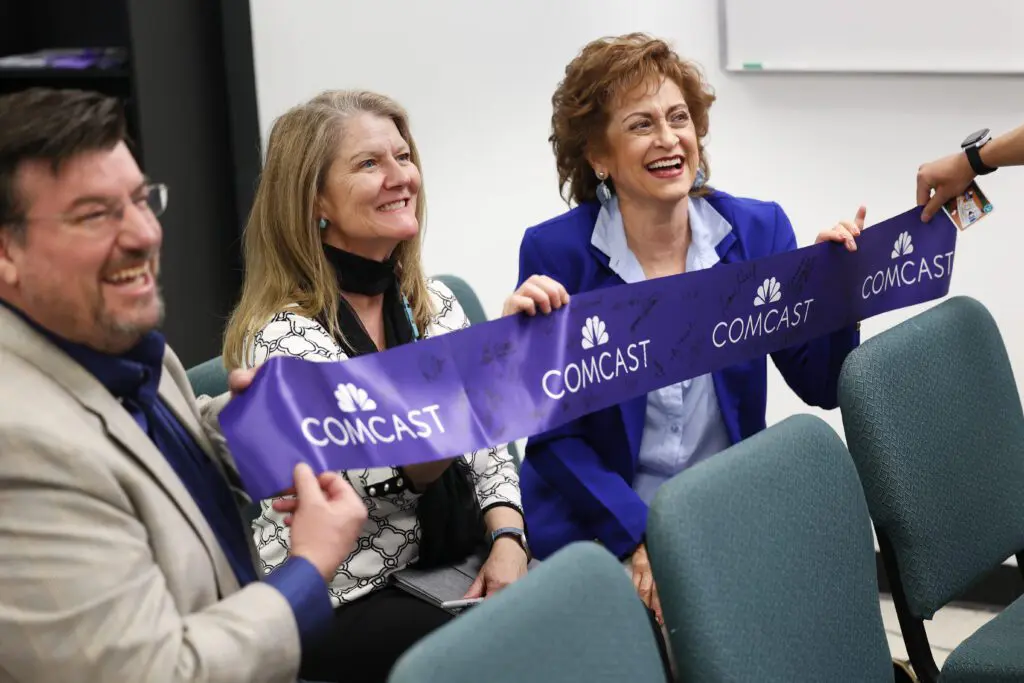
(576, 617)
(764, 562)
(468, 299)
(209, 377)
(934, 422)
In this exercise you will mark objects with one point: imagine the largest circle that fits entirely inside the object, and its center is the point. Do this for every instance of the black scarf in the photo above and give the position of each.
(448, 511)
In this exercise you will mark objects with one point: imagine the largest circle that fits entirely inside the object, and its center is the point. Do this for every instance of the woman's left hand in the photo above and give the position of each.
(845, 231)
(505, 564)
(538, 292)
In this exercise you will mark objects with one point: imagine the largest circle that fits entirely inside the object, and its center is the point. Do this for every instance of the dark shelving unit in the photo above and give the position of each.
(189, 92)
(70, 77)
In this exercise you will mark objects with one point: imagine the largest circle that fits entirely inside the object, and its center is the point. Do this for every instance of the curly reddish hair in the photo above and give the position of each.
(605, 70)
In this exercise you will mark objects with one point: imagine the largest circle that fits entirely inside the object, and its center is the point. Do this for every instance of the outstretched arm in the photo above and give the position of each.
(940, 180)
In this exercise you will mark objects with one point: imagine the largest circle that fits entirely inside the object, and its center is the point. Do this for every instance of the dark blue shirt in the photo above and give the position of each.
(134, 379)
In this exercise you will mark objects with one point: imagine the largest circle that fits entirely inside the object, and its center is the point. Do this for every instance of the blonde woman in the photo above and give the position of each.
(332, 253)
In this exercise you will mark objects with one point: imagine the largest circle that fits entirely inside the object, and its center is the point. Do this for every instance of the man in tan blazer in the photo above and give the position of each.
(123, 556)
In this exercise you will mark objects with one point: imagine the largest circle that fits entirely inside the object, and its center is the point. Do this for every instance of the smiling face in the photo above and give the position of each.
(79, 269)
(651, 149)
(370, 192)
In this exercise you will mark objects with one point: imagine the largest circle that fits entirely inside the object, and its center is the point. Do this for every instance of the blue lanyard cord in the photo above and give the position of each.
(412, 321)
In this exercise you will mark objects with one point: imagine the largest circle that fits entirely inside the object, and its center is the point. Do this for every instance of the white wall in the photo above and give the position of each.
(477, 78)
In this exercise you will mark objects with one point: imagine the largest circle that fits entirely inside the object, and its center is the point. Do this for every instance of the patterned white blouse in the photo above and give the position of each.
(390, 540)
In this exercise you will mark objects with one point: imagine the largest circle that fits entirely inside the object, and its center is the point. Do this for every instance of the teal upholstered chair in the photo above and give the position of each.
(209, 377)
(575, 618)
(934, 423)
(765, 565)
(470, 303)
(468, 299)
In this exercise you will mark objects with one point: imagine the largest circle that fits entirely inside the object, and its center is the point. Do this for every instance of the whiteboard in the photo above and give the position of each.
(873, 36)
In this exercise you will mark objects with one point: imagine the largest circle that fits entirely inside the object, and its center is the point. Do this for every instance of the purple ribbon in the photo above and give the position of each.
(518, 376)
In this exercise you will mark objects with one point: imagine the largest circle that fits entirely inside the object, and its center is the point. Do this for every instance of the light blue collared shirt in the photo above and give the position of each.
(683, 424)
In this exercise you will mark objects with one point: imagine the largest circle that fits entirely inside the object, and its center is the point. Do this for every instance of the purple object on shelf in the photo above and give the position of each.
(74, 62)
(77, 59)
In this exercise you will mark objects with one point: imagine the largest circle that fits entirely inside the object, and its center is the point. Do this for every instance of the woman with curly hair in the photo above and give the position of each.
(629, 123)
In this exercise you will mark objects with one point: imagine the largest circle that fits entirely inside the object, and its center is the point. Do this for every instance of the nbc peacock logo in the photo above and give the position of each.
(353, 399)
(768, 292)
(903, 246)
(595, 333)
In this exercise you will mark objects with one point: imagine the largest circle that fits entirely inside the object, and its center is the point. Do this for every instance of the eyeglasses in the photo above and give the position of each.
(150, 199)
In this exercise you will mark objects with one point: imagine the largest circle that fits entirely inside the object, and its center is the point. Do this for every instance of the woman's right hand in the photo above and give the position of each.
(643, 581)
(538, 291)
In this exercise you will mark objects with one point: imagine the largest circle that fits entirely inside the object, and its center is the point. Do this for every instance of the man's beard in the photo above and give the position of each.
(129, 332)
(98, 328)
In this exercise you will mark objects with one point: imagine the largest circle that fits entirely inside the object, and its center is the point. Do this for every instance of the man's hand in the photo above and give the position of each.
(326, 517)
(505, 564)
(948, 177)
(643, 581)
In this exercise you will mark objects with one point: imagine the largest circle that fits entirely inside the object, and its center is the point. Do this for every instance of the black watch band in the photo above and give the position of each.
(972, 145)
(512, 532)
(974, 158)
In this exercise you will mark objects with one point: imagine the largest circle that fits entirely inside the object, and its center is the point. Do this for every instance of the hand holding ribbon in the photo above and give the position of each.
(538, 292)
(845, 231)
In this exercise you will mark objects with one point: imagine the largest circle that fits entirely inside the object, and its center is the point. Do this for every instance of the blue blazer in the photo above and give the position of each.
(576, 480)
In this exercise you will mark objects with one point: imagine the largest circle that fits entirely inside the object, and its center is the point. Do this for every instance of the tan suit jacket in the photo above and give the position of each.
(108, 570)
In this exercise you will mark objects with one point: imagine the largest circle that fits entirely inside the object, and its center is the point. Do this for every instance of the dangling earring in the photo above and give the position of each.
(323, 223)
(604, 195)
(699, 180)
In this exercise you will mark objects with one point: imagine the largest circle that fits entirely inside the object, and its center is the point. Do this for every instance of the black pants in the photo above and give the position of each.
(369, 635)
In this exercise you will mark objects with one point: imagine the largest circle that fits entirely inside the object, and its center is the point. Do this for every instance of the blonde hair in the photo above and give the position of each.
(284, 258)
